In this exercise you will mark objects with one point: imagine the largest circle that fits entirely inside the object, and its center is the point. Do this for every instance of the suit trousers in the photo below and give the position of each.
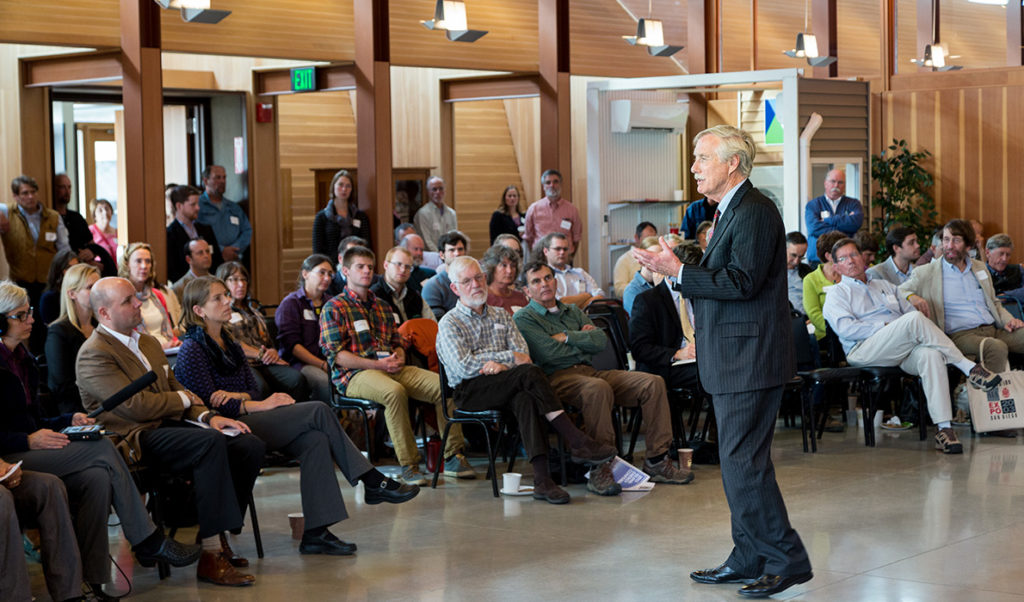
(95, 476)
(40, 501)
(525, 391)
(997, 349)
(763, 540)
(223, 468)
(318, 382)
(280, 378)
(915, 344)
(393, 391)
(310, 433)
(594, 392)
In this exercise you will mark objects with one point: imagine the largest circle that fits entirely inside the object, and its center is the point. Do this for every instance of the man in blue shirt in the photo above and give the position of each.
(831, 211)
(226, 217)
(698, 212)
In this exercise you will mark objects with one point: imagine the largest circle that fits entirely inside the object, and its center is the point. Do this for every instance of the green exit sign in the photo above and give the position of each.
(303, 79)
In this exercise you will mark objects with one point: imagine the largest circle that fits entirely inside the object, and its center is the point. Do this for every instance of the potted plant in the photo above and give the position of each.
(902, 193)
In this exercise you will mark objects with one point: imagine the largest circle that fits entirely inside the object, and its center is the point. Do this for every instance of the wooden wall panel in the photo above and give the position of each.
(524, 127)
(485, 162)
(94, 23)
(314, 131)
(738, 43)
(511, 43)
(596, 46)
(963, 26)
(859, 29)
(906, 36)
(778, 23)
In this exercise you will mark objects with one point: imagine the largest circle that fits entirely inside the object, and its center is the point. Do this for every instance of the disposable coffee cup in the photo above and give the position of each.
(685, 458)
(298, 524)
(510, 481)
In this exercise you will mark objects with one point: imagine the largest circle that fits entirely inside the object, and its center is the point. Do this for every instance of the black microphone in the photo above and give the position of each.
(124, 394)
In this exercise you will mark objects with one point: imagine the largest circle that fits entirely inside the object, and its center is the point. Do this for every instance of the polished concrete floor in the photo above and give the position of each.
(898, 522)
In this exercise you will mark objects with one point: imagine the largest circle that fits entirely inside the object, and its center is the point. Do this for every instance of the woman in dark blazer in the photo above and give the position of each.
(340, 218)
(67, 334)
(508, 219)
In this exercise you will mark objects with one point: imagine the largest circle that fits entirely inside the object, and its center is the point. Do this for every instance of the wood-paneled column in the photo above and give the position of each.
(1014, 37)
(555, 110)
(823, 22)
(143, 127)
(702, 55)
(373, 123)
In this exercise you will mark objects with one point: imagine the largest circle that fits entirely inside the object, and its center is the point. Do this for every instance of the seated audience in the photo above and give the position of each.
(420, 273)
(338, 281)
(796, 269)
(199, 257)
(67, 334)
(702, 235)
(901, 242)
(977, 250)
(509, 218)
(212, 365)
(877, 326)
(645, 279)
(49, 301)
(249, 328)
(488, 367)
(957, 294)
(38, 499)
(934, 251)
(501, 265)
(575, 285)
(341, 217)
(562, 342)
(661, 334)
(298, 325)
(868, 245)
(511, 242)
(626, 266)
(93, 472)
(360, 339)
(816, 283)
(1006, 276)
(437, 291)
(416, 322)
(402, 230)
(184, 228)
(696, 214)
(103, 232)
(155, 427)
(161, 310)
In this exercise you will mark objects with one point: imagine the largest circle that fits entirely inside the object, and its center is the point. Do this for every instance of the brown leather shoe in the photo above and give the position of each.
(215, 568)
(235, 560)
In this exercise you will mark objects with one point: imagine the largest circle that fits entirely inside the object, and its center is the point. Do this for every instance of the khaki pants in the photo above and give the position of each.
(594, 392)
(997, 349)
(393, 391)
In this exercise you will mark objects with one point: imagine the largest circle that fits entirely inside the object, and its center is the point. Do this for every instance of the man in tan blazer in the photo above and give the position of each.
(154, 424)
(956, 292)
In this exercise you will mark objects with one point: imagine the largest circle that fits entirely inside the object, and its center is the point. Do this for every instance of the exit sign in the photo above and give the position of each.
(303, 79)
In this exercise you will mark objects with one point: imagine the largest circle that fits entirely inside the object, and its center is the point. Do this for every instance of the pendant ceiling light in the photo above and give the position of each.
(450, 16)
(807, 46)
(195, 11)
(935, 54)
(650, 33)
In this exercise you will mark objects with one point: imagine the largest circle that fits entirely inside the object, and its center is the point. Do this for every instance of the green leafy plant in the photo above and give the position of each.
(903, 193)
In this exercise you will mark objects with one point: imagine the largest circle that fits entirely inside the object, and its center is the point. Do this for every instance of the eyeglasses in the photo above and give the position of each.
(479, 278)
(846, 258)
(401, 266)
(21, 316)
(238, 279)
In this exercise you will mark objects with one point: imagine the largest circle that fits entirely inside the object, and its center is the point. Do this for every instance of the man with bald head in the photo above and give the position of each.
(413, 243)
(831, 211)
(435, 218)
(158, 424)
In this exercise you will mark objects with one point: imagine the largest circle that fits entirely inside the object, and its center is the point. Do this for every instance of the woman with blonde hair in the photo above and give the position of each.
(66, 335)
(160, 309)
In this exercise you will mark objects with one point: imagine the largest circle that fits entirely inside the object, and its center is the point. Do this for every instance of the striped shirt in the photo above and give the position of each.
(467, 340)
(347, 323)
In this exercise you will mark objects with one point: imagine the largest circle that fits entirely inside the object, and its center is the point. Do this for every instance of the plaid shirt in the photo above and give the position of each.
(348, 323)
(467, 340)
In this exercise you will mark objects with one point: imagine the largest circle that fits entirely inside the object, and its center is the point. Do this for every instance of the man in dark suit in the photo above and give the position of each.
(745, 357)
(185, 228)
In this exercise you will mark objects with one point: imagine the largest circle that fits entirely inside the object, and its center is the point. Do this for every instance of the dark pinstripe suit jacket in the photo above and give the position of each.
(743, 330)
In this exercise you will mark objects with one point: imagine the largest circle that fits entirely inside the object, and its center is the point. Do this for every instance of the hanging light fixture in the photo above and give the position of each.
(650, 33)
(935, 54)
(450, 16)
(195, 11)
(807, 46)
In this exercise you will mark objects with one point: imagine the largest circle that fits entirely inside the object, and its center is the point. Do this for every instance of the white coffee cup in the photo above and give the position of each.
(510, 482)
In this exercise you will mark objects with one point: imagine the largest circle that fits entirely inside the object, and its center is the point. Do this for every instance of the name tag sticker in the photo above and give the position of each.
(307, 314)
(50, 236)
(167, 371)
(499, 327)
(361, 325)
(356, 223)
(981, 275)
(234, 220)
(236, 317)
(395, 316)
(565, 225)
(825, 214)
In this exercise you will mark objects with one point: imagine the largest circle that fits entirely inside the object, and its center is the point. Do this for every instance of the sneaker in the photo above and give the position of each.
(457, 466)
(981, 378)
(602, 481)
(548, 491)
(667, 472)
(411, 475)
(947, 443)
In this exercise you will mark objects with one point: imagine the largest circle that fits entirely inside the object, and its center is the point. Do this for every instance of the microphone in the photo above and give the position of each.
(124, 394)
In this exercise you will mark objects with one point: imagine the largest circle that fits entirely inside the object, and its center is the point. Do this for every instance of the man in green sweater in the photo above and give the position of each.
(562, 342)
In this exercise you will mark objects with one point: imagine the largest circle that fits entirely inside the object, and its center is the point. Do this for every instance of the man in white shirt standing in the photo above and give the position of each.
(878, 327)
(575, 285)
(435, 218)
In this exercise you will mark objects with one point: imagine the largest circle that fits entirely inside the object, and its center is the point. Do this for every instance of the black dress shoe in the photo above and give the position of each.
(170, 551)
(769, 585)
(392, 492)
(720, 574)
(326, 543)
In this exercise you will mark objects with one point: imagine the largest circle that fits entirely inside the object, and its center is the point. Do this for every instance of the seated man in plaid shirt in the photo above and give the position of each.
(360, 339)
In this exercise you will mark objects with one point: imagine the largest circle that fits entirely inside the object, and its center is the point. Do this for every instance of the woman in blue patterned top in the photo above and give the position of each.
(212, 365)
